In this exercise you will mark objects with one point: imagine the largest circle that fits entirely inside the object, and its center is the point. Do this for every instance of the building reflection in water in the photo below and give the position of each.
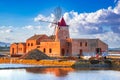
(58, 72)
(62, 72)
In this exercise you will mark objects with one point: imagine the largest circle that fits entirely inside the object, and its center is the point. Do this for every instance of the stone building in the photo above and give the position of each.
(60, 44)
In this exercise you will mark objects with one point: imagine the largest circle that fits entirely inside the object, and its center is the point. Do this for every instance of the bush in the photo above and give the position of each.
(94, 61)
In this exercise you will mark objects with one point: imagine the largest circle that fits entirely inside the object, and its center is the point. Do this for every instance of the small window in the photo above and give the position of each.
(80, 44)
(44, 50)
(31, 44)
(50, 50)
(67, 51)
(68, 44)
(86, 44)
(28, 44)
(38, 46)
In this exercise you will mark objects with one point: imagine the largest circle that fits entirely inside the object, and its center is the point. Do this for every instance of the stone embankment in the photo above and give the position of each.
(115, 62)
(37, 62)
(63, 63)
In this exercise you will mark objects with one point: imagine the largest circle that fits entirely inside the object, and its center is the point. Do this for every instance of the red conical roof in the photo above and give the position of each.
(62, 22)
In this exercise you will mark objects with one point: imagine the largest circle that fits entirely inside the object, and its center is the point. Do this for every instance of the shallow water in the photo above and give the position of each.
(59, 74)
(4, 66)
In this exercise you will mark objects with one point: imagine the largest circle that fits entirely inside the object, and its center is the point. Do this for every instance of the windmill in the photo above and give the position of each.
(57, 15)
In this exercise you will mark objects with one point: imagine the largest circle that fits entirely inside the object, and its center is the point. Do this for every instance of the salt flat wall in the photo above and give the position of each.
(50, 48)
(65, 47)
(21, 48)
(87, 47)
(17, 49)
(14, 49)
(103, 46)
(30, 45)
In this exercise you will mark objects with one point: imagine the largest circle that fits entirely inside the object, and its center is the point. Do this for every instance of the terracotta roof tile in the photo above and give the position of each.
(22, 43)
(35, 37)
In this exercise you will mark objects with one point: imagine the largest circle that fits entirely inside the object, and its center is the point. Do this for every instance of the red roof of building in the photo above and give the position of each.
(35, 37)
(62, 22)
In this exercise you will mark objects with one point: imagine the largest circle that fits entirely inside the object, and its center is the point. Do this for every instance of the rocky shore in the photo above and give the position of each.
(63, 63)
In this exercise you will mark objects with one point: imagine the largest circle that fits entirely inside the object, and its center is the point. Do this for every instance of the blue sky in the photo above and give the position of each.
(87, 19)
(21, 12)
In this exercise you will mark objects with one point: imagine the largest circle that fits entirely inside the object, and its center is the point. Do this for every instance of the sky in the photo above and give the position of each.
(19, 19)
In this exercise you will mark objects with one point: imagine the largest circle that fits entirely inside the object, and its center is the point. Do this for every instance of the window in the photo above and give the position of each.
(44, 50)
(80, 44)
(50, 50)
(28, 44)
(98, 50)
(31, 44)
(80, 52)
(13, 50)
(63, 52)
(68, 44)
(38, 46)
(86, 44)
(67, 51)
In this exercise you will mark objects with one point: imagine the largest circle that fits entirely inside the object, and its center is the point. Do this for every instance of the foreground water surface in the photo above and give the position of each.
(59, 74)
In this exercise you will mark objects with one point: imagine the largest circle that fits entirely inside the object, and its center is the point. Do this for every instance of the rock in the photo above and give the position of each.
(35, 54)
(94, 61)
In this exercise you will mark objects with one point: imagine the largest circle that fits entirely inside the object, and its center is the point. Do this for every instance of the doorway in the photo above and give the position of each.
(63, 52)
(13, 50)
(98, 50)
(81, 52)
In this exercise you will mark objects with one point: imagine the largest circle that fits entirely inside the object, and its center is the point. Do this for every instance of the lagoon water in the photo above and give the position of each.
(59, 74)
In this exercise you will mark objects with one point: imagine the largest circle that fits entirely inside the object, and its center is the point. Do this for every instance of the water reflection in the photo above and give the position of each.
(58, 72)
(62, 72)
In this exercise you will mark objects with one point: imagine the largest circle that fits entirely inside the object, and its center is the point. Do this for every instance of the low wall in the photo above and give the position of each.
(64, 63)
(36, 62)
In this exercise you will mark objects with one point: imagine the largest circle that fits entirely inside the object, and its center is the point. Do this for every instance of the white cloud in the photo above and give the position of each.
(31, 27)
(6, 29)
(103, 24)
(111, 38)
(9, 31)
(94, 22)
(43, 18)
(117, 8)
